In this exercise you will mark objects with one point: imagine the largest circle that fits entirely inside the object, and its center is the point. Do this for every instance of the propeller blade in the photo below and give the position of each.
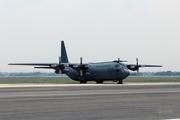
(137, 61)
(137, 65)
(80, 60)
(81, 72)
(60, 67)
(138, 72)
(59, 59)
(60, 72)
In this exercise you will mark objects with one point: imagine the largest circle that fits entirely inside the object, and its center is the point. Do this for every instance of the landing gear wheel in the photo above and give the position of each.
(119, 82)
(100, 82)
(83, 82)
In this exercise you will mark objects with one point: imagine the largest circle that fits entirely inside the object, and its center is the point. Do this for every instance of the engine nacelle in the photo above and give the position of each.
(133, 68)
(59, 71)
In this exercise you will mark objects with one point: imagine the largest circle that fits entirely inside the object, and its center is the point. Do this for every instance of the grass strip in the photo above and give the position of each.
(66, 80)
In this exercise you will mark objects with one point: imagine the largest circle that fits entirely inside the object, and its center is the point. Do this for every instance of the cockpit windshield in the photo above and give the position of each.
(123, 65)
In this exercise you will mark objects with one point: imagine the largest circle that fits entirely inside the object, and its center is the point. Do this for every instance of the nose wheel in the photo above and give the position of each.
(119, 82)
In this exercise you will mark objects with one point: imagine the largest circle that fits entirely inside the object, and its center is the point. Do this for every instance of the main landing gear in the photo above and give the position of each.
(119, 82)
(83, 81)
(100, 82)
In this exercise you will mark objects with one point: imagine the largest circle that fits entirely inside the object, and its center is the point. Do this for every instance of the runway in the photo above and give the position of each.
(90, 102)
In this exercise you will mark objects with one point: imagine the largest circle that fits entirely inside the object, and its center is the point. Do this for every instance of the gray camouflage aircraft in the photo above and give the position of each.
(113, 70)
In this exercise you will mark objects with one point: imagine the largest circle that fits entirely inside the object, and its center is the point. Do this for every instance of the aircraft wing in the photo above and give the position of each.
(134, 67)
(53, 65)
(43, 65)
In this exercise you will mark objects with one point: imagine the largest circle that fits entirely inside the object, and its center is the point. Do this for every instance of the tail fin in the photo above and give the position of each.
(64, 58)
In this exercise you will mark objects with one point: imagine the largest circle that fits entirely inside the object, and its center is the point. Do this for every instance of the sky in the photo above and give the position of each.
(97, 30)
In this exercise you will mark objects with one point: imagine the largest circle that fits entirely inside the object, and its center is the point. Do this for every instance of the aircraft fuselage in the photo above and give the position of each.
(100, 72)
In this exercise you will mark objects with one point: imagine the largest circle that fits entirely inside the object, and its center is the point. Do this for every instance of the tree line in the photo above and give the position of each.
(161, 73)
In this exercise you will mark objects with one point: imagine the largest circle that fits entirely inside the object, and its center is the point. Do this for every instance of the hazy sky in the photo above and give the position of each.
(97, 30)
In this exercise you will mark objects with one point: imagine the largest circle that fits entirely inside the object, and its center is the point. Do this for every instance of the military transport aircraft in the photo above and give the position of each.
(113, 70)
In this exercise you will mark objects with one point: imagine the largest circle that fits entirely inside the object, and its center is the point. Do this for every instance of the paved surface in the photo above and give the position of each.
(90, 102)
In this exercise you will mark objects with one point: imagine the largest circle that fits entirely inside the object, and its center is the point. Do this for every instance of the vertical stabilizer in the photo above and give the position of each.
(64, 58)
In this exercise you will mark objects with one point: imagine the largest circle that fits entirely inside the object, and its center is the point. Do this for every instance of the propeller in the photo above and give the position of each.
(81, 67)
(59, 67)
(80, 60)
(137, 66)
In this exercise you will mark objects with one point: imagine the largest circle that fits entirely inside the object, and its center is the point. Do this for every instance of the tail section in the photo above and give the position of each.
(64, 58)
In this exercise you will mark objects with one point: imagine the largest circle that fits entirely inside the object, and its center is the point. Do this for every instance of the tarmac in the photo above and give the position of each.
(130, 101)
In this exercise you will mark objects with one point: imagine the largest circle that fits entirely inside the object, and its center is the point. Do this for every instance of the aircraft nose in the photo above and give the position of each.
(126, 73)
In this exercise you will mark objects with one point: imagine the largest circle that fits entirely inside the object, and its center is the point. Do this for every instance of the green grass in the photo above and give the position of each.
(53, 80)
(66, 80)
(152, 79)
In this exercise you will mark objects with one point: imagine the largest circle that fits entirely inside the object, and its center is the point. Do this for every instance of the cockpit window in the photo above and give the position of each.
(123, 65)
(117, 66)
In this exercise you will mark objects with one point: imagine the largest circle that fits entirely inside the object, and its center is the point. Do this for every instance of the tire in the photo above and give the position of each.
(119, 82)
(100, 82)
(83, 82)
